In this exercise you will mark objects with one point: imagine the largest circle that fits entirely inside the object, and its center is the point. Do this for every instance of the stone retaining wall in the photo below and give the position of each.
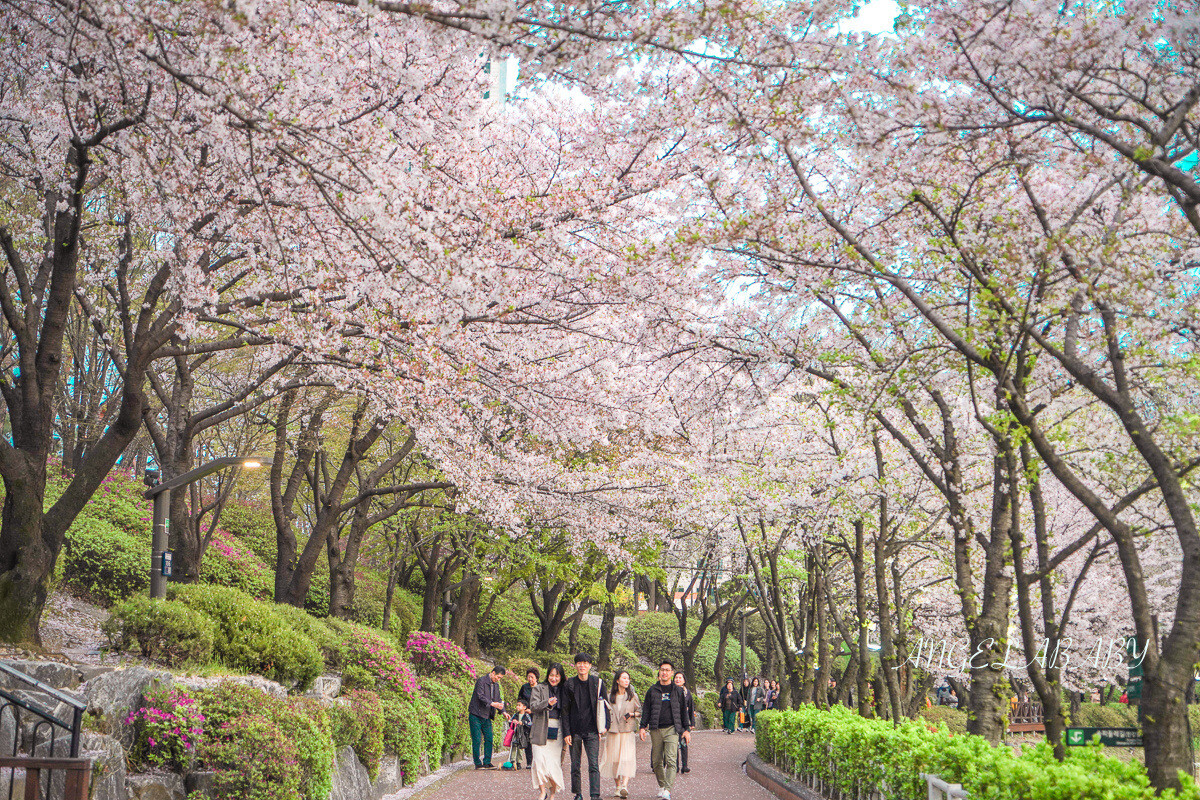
(112, 694)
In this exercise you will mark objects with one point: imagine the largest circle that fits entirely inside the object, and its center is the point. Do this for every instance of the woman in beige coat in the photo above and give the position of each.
(546, 736)
(618, 757)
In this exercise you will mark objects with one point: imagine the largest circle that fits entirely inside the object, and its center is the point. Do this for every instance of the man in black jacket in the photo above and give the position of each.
(485, 702)
(664, 714)
(583, 717)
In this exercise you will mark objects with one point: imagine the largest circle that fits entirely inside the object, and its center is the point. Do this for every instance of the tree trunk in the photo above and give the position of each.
(28, 556)
(604, 657)
(824, 662)
(860, 613)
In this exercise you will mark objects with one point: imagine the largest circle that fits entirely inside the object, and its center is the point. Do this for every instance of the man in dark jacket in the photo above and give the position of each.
(485, 702)
(583, 718)
(664, 714)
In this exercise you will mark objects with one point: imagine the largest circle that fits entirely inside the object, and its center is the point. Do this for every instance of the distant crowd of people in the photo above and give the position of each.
(740, 704)
(581, 715)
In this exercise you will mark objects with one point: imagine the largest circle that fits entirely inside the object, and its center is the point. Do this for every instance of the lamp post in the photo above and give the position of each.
(160, 493)
(743, 614)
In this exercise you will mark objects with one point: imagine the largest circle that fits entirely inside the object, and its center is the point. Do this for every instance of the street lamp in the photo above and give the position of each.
(745, 613)
(160, 493)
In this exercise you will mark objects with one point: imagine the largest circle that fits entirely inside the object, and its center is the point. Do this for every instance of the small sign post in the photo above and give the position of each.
(1133, 689)
(1109, 737)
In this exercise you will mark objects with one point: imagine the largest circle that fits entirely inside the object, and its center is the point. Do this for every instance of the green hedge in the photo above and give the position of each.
(509, 628)
(860, 755)
(165, 631)
(1094, 715)
(450, 701)
(954, 719)
(252, 636)
(266, 748)
(230, 562)
(104, 562)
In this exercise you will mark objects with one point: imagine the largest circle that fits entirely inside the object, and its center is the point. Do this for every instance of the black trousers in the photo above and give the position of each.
(589, 741)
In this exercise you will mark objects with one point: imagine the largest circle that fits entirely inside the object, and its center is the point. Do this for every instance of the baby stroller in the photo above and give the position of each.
(510, 741)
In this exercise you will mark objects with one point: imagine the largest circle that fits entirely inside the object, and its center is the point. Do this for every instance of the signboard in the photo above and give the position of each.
(166, 563)
(1133, 690)
(1109, 737)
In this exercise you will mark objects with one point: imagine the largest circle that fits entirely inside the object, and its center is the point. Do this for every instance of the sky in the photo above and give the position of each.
(875, 17)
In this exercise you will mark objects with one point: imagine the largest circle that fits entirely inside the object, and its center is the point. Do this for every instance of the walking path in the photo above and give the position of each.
(716, 774)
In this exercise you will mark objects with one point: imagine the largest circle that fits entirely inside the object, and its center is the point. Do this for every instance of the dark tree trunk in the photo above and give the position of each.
(604, 657)
(823, 660)
(859, 566)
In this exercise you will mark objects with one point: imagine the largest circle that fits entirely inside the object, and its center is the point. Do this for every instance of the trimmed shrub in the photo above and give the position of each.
(451, 705)
(368, 660)
(229, 562)
(165, 631)
(253, 760)
(403, 734)
(1095, 715)
(520, 668)
(166, 729)
(954, 719)
(235, 711)
(119, 501)
(252, 637)
(105, 563)
(254, 527)
(359, 721)
(431, 728)
(508, 629)
(433, 655)
(316, 629)
(861, 755)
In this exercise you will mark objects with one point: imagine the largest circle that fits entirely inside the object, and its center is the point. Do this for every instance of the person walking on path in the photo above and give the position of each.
(586, 717)
(757, 702)
(689, 715)
(744, 723)
(525, 695)
(546, 706)
(663, 715)
(730, 701)
(485, 702)
(619, 759)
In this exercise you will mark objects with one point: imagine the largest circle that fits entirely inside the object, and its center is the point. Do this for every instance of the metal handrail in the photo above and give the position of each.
(78, 707)
(57, 694)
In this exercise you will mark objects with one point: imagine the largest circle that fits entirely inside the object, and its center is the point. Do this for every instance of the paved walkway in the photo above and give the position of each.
(715, 760)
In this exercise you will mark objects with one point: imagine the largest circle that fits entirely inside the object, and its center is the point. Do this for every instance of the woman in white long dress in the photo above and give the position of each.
(545, 704)
(618, 757)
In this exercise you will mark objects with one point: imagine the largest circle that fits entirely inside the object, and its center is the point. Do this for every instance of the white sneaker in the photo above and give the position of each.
(666, 795)
(661, 794)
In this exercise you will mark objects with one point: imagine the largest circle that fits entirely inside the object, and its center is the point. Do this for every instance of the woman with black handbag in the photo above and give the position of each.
(689, 714)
